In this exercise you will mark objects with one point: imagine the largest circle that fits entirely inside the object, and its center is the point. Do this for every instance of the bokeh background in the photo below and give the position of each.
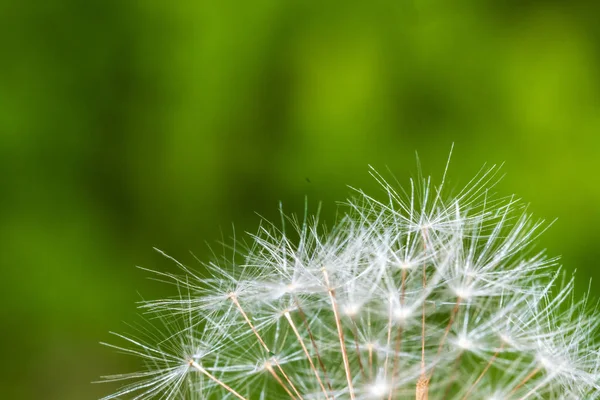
(127, 125)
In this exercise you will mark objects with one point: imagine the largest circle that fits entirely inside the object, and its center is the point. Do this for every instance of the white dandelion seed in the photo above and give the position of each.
(424, 296)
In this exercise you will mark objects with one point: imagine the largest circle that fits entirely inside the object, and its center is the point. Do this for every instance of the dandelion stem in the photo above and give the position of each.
(534, 390)
(287, 378)
(197, 366)
(235, 301)
(445, 336)
(278, 379)
(525, 380)
(423, 325)
(313, 342)
(370, 349)
(355, 334)
(453, 377)
(399, 336)
(489, 364)
(308, 356)
(338, 324)
(449, 326)
(422, 390)
(389, 339)
(423, 382)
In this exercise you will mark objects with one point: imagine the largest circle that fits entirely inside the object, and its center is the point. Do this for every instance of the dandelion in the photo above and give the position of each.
(424, 295)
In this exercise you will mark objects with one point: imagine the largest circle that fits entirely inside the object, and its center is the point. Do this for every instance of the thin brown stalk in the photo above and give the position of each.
(356, 342)
(308, 356)
(287, 379)
(453, 377)
(370, 349)
(278, 379)
(399, 336)
(422, 390)
(389, 341)
(449, 326)
(313, 342)
(525, 380)
(235, 301)
(198, 367)
(489, 364)
(338, 324)
(533, 390)
(423, 325)
(445, 336)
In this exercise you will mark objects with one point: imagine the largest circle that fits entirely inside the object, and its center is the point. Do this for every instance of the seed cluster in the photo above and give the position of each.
(423, 295)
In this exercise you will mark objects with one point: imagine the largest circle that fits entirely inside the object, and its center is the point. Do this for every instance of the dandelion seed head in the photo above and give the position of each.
(425, 294)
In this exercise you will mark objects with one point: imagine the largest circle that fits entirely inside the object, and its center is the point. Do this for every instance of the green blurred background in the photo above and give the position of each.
(127, 125)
